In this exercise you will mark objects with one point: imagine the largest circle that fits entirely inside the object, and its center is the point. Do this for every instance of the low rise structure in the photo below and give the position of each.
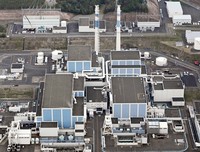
(181, 19)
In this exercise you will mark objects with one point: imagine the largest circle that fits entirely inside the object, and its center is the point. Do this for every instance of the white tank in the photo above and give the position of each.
(146, 55)
(197, 43)
(161, 61)
(63, 23)
(56, 55)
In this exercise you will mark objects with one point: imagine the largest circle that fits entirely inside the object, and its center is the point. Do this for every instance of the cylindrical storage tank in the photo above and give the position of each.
(41, 54)
(161, 61)
(197, 43)
(146, 55)
(63, 23)
(56, 55)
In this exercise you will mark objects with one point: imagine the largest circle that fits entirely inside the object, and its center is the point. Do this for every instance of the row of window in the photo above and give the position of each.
(125, 71)
(78, 66)
(125, 62)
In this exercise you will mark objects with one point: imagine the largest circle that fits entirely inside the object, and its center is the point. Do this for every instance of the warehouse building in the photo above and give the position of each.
(59, 104)
(87, 25)
(79, 58)
(174, 8)
(191, 35)
(38, 21)
(171, 88)
(181, 19)
(126, 63)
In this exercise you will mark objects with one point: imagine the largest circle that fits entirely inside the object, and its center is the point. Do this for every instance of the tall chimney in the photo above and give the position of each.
(118, 26)
(96, 29)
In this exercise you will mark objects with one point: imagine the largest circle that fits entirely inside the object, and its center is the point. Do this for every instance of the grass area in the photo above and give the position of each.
(192, 94)
(17, 92)
(18, 4)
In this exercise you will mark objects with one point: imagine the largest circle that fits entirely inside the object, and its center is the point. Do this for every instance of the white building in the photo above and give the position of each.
(168, 90)
(181, 19)
(37, 21)
(17, 135)
(17, 68)
(191, 35)
(87, 25)
(49, 129)
(148, 25)
(174, 8)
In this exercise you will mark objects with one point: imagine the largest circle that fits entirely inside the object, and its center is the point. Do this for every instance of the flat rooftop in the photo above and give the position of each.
(125, 55)
(79, 53)
(94, 94)
(136, 120)
(16, 65)
(84, 21)
(128, 90)
(172, 112)
(58, 91)
(173, 84)
(49, 125)
(78, 107)
(79, 84)
(158, 86)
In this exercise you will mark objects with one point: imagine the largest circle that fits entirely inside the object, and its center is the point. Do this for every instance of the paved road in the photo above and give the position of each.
(98, 124)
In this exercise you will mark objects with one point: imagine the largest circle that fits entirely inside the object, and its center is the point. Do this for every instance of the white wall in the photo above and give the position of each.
(19, 70)
(85, 29)
(180, 21)
(167, 94)
(33, 21)
(48, 132)
(59, 31)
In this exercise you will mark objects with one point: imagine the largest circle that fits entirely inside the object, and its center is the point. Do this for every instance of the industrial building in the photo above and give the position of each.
(174, 8)
(191, 35)
(148, 24)
(125, 104)
(60, 104)
(126, 63)
(36, 21)
(17, 68)
(181, 19)
(86, 25)
(97, 100)
(79, 58)
(171, 87)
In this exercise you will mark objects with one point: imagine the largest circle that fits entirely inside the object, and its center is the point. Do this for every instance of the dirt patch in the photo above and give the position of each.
(16, 92)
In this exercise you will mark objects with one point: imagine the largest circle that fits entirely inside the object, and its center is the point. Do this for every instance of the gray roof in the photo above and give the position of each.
(128, 90)
(173, 84)
(49, 124)
(16, 65)
(78, 108)
(94, 94)
(79, 84)
(125, 55)
(158, 86)
(172, 112)
(79, 53)
(58, 91)
(84, 21)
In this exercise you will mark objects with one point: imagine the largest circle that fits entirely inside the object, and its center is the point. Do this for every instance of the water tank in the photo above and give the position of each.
(146, 55)
(56, 55)
(197, 43)
(63, 23)
(161, 61)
